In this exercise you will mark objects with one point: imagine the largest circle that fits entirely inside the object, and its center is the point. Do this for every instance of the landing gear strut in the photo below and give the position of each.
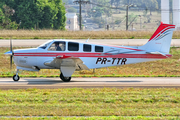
(65, 79)
(16, 77)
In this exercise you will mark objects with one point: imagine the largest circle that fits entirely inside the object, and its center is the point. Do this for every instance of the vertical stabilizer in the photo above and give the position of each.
(160, 40)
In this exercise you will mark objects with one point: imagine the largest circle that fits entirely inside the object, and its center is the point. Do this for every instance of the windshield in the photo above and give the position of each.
(43, 46)
(57, 46)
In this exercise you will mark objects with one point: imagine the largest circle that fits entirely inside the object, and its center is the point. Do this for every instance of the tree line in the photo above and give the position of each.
(150, 5)
(32, 14)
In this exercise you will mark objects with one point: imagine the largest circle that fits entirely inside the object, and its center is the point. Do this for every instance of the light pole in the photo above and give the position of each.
(80, 17)
(127, 8)
(140, 22)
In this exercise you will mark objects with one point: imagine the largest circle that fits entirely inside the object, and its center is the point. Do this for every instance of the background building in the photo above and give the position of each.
(176, 13)
(165, 11)
(71, 21)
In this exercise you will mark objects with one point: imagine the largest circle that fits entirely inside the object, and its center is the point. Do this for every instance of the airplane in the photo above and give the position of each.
(69, 55)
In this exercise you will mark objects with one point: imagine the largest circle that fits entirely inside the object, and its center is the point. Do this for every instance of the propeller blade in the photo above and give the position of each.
(11, 61)
(11, 45)
(11, 57)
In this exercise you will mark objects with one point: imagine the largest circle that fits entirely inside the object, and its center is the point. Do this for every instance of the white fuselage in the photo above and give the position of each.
(96, 56)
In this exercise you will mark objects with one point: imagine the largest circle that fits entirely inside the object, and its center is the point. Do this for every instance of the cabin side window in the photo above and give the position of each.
(98, 49)
(73, 46)
(86, 48)
(57, 46)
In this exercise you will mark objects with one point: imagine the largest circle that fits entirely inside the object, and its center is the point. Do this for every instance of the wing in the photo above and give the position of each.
(58, 63)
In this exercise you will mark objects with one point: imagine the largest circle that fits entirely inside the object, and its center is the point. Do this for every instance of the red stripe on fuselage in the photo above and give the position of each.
(130, 48)
(77, 55)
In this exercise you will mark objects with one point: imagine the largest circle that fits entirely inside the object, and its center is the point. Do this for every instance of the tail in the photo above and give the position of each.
(161, 40)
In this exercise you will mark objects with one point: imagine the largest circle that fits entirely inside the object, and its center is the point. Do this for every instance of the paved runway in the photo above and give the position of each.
(50, 83)
(24, 83)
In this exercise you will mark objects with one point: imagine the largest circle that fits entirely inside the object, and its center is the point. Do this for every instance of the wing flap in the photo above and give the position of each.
(156, 53)
(80, 65)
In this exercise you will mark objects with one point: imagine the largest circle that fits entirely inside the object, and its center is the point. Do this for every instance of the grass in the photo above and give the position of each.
(162, 102)
(162, 68)
(107, 103)
(95, 118)
(56, 34)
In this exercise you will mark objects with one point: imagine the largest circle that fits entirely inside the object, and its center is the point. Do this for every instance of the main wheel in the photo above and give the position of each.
(16, 77)
(65, 79)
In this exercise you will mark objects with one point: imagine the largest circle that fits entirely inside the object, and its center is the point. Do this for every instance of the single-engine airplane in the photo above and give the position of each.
(68, 56)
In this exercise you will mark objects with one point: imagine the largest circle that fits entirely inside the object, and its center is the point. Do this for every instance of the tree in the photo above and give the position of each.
(5, 21)
(38, 13)
(47, 14)
(60, 19)
(117, 3)
(2, 16)
(112, 1)
(72, 10)
(65, 2)
(96, 12)
(27, 12)
(151, 5)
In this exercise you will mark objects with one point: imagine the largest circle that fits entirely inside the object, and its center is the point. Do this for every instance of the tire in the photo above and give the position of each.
(16, 78)
(65, 79)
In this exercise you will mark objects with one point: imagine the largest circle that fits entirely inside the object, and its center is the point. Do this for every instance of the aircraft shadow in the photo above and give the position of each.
(52, 81)
(42, 81)
(108, 81)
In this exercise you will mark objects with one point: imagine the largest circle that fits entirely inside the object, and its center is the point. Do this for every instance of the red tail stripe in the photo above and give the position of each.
(167, 29)
(160, 28)
(164, 31)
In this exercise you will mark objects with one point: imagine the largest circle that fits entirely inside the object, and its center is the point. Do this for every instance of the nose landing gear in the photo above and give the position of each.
(16, 77)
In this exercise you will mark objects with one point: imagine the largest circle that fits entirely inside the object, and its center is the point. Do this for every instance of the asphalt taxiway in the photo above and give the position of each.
(53, 83)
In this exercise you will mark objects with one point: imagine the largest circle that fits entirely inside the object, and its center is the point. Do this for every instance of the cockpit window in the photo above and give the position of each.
(43, 46)
(57, 46)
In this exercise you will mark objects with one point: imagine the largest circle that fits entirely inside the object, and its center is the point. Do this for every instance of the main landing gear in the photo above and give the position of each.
(16, 76)
(65, 79)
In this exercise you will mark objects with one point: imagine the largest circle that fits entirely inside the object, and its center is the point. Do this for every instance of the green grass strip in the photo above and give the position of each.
(160, 102)
(96, 118)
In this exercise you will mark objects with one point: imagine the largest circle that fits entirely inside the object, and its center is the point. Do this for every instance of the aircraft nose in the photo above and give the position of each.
(10, 53)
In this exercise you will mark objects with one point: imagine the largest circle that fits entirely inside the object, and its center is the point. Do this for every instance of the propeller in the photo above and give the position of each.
(11, 56)
(10, 53)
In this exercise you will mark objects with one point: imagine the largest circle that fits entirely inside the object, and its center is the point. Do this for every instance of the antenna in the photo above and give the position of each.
(87, 39)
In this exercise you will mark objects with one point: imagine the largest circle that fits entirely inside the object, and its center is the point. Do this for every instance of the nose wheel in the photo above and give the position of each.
(16, 77)
(65, 79)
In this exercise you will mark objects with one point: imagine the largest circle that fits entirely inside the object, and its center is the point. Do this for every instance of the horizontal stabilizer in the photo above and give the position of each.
(156, 53)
